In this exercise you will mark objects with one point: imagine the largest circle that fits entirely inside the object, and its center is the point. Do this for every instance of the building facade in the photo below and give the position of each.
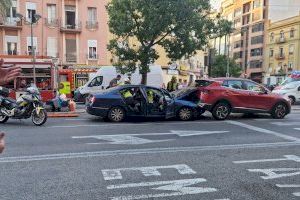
(74, 31)
(246, 44)
(282, 52)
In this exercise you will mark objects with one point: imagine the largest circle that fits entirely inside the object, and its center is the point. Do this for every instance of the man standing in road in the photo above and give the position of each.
(115, 81)
(7, 75)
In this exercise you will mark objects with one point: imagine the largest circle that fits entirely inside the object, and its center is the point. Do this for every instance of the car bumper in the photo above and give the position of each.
(100, 112)
(205, 106)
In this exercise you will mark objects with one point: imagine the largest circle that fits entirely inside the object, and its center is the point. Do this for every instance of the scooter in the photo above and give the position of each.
(26, 106)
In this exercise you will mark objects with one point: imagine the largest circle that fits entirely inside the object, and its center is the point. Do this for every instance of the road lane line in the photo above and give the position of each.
(298, 129)
(287, 158)
(285, 123)
(262, 130)
(287, 186)
(143, 151)
(132, 124)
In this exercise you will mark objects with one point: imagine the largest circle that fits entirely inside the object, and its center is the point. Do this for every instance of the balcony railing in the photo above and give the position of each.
(92, 56)
(29, 53)
(71, 58)
(92, 25)
(71, 27)
(11, 23)
(280, 40)
(51, 22)
(280, 56)
(11, 53)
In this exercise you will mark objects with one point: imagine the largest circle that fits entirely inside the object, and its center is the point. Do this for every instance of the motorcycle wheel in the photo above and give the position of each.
(3, 119)
(39, 119)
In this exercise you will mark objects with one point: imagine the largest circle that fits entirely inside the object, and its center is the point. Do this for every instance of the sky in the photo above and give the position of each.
(215, 3)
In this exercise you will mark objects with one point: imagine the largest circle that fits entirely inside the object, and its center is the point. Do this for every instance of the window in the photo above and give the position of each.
(258, 27)
(51, 19)
(52, 47)
(96, 81)
(238, 44)
(12, 11)
(272, 37)
(271, 52)
(281, 34)
(30, 11)
(256, 4)
(29, 47)
(92, 14)
(291, 66)
(11, 45)
(251, 86)
(92, 45)
(238, 55)
(257, 52)
(257, 40)
(254, 64)
(234, 84)
(291, 49)
(281, 51)
(292, 33)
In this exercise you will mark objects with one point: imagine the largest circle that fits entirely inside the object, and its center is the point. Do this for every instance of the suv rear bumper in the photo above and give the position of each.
(205, 106)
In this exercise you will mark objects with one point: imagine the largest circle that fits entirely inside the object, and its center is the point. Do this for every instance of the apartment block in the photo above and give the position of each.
(247, 42)
(74, 31)
(282, 49)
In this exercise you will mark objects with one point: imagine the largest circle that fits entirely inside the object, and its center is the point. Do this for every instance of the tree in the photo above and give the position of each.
(4, 5)
(180, 27)
(219, 67)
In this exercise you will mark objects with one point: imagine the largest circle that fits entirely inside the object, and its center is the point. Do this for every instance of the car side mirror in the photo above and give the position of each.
(299, 89)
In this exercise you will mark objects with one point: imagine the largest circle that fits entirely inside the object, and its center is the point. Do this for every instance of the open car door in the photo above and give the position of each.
(169, 105)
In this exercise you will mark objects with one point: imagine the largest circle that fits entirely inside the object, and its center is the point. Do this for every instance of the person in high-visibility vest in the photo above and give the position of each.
(172, 85)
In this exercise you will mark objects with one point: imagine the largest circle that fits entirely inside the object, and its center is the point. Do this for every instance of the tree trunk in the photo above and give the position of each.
(144, 78)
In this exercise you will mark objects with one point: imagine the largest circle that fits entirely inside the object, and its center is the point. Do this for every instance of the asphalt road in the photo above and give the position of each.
(243, 158)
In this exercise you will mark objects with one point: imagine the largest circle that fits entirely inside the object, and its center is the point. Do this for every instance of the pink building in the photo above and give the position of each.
(74, 31)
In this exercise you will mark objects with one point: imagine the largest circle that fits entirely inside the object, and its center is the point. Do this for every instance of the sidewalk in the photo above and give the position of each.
(296, 107)
(79, 110)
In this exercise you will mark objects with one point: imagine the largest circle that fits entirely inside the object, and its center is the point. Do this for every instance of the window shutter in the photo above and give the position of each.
(52, 47)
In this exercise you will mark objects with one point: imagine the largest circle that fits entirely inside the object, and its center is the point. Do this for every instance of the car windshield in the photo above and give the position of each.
(291, 85)
(289, 80)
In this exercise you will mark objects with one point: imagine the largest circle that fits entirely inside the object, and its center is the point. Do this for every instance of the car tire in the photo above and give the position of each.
(116, 114)
(279, 111)
(221, 111)
(293, 100)
(185, 114)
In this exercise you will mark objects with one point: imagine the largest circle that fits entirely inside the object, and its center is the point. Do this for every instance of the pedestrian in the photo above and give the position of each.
(7, 75)
(115, 81)
(172, 85)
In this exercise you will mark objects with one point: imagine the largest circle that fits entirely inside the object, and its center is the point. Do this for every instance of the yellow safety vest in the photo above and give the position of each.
(150, 97)
(127, 94)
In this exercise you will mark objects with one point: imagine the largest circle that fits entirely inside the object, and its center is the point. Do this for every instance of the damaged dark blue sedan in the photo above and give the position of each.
(115, 104)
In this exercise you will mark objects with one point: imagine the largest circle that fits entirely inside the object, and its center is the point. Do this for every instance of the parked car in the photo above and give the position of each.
(223, 96)
(115, 104)
(291, 90)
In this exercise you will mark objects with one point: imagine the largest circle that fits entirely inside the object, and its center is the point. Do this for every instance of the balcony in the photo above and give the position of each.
(92, 25)
(280, 40)
(29, 53)
(74, 27)
(51, 22)
(71, 58)
(11, 23)
(11, 53)
(280, 56)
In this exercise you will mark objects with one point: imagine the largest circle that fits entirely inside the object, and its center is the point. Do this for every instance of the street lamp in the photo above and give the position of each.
(34, 19)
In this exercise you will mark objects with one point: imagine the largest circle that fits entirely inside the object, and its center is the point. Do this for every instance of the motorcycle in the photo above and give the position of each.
(26, 106)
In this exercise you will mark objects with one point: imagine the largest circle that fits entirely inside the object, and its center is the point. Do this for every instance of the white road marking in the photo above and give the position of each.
(287, 186)
(143, 151)
(287, 158)
(271, 173)
(285, 123)
(296, 194)
(180, 188)
(261, 130)
(132, 139)
(298, 129)
(115, 174)
(135, 124)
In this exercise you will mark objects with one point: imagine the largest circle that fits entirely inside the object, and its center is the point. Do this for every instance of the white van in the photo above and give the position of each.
(106, 73)
(290, 90)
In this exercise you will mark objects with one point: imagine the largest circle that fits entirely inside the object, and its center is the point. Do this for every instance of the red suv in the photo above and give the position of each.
(222, 96)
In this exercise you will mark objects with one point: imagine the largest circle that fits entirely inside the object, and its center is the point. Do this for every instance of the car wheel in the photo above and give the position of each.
(116, 114)
(292, 100)
(279, 111)
(221, 111)
(185, 114)
(3, 119)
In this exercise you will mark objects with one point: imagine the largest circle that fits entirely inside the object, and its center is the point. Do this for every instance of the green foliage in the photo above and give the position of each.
(219, 67)
(179, 26)
(4, 5)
